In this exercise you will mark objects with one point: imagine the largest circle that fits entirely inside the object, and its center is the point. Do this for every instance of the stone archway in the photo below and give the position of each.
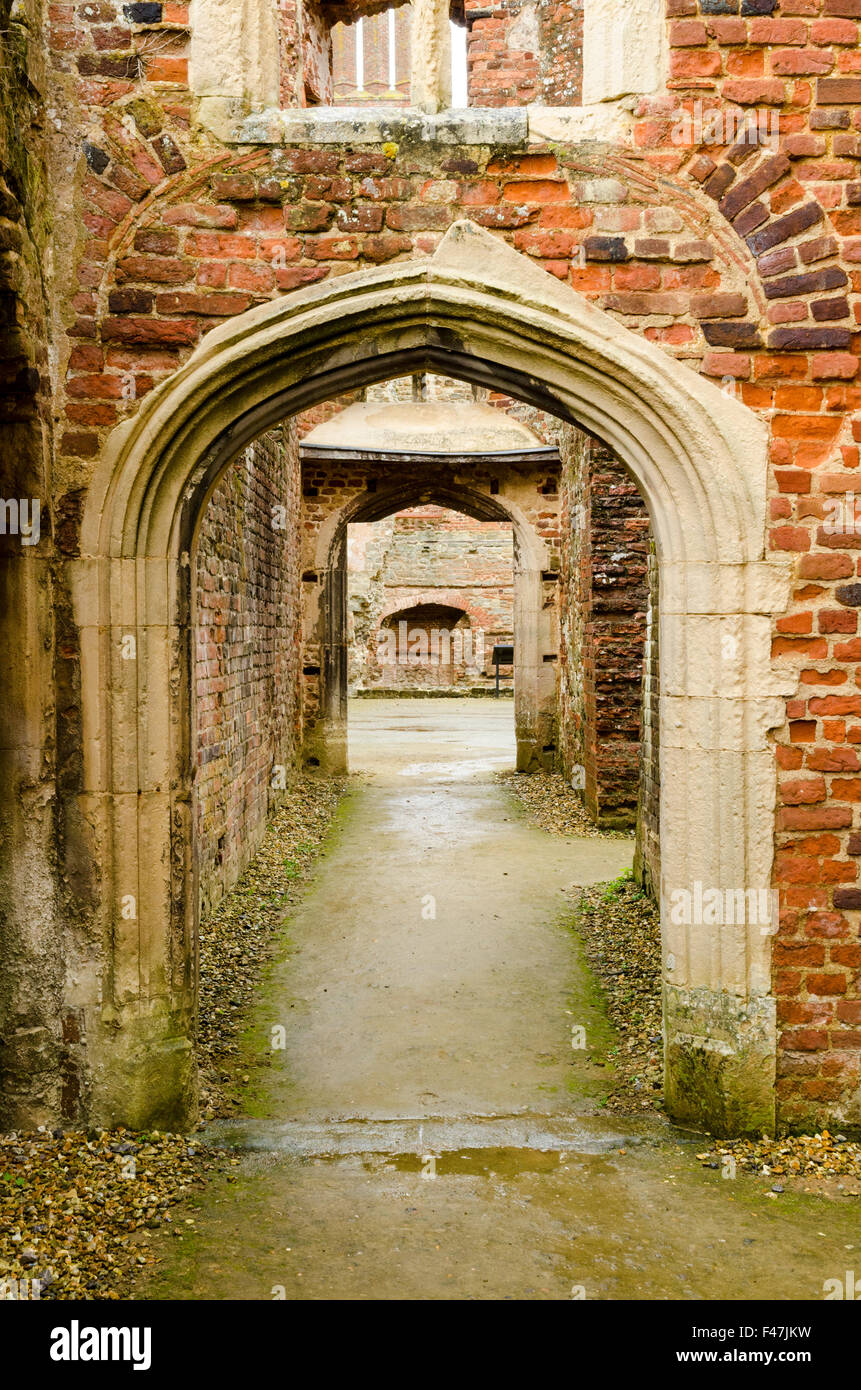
(534, 682)
(478, 310)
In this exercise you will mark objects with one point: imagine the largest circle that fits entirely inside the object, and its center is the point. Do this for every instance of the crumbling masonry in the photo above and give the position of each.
(200, 241)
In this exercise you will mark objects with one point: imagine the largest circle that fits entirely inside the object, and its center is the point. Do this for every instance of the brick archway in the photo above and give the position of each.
(478, 310)
(447, 598)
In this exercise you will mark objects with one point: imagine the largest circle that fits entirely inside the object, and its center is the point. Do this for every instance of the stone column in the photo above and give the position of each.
(719, 698)
(430, 49)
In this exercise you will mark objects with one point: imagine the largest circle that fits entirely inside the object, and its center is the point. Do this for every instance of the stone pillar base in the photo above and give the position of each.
(530, 758)
(326, 748)
(144, 1081)
(719, 1061)
(30, 1078)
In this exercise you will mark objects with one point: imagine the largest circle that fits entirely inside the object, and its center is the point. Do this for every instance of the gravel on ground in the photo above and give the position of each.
(551, 802)
(77, 1208)
(792, 1162)
(620, 928)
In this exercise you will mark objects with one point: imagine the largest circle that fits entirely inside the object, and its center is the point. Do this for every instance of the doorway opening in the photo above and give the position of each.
(459, 593)
(463, 588)
(444, 498)
(430, 601)
(698, 458)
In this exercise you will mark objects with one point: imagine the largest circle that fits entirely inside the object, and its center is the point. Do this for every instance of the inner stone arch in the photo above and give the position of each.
(326, 614)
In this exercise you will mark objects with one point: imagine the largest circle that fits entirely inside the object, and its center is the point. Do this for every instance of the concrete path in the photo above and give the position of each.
(423, 1128)
(428, 972)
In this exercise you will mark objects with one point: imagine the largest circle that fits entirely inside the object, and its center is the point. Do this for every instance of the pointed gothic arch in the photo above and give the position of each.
(478, 310)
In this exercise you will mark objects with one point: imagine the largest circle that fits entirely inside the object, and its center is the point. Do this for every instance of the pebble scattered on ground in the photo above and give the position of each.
(621, 933)
(551, 802)
(620, 928)
(793, 1160)
(77, 1210)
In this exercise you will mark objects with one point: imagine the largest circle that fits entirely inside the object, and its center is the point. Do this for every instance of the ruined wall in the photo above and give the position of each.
(619, 536)
(330, 486)
(247, 707)
(257, 224)
(740, 259)
(429, 556)
(305, 54)
(524, 50)
(39, 716)
(604, 601)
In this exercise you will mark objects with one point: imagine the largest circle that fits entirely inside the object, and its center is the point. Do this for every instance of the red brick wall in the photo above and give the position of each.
(619, 543)
(212, 244)
(248, 717)
(518, 53)
(604, 599)
(305, 54)
(328, 487)
(743, 263)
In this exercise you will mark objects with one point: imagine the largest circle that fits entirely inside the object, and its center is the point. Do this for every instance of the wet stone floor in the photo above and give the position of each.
(416, 1123)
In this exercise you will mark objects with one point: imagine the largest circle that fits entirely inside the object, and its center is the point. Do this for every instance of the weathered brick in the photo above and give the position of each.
(715, 305)
(161, 269)
(143, 12)
(184, 302)
(333, 248)
(755, 91)
(768, 173)
(808, 282)
(693, 251)
(606, 248)
(179, 332)
(218, 245)
(130, 301)
(200, 215)
(782, 228)
(649, 303)
(838, 91)
(414, 217)
(833, 365)
(802, 61)
(809, 339)
(360, 218)
(738, 335)
(383, 247)
(156, 241)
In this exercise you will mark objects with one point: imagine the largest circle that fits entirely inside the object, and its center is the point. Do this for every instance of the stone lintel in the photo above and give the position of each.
(231, 121)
